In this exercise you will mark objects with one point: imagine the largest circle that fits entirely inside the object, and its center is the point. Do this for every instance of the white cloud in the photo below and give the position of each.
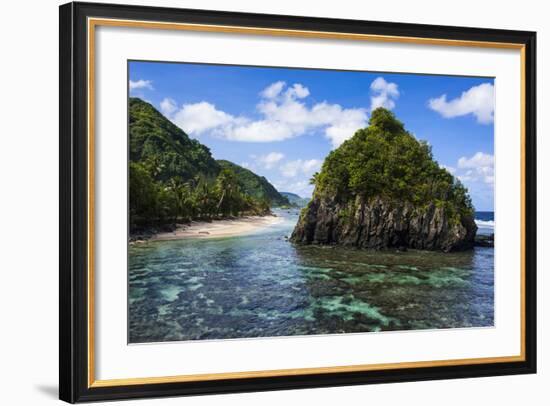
(302, 188)
(477, 168)
(245, 165)
(201, 117)
(343, 122)
(141, 84)
(283, 114)
(268, 161)
(300, 167)
(478, 100)
(312, 165)
(291, 169)
(297, 91)
(476, 172)
(383, 94)
(168, 107)
(477, 160)
(273, 90)
(257, 131)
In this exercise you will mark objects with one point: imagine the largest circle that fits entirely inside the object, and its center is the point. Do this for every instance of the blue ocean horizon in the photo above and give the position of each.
(485, 215)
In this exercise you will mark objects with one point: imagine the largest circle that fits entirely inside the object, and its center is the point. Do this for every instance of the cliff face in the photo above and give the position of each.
(383, 189)
(380, 224)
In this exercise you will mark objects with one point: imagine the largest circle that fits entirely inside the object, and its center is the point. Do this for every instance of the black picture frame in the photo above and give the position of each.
(73, 256)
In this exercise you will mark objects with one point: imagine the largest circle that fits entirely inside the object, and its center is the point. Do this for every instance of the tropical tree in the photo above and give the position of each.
(182, 196)
(228, 190)
(204, 197)
(143, 196)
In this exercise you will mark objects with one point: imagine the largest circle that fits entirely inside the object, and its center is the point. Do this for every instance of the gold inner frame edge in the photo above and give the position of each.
(94, 22)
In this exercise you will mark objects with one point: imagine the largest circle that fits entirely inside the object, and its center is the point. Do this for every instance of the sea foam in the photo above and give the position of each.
(485, 223)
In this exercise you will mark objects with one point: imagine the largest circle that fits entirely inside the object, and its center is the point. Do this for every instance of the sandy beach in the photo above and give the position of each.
(219, 228)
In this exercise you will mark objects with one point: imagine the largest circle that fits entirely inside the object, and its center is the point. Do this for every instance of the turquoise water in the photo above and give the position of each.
(260, 285)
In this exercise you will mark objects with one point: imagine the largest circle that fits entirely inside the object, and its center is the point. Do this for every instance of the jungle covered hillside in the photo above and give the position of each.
(173, 178)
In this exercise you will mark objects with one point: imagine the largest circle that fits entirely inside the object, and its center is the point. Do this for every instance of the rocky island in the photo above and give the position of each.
(382, 189)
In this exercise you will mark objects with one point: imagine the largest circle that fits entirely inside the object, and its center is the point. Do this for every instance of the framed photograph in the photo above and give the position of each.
(255, 202)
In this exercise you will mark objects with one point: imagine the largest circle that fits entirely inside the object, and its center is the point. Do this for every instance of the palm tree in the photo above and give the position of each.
(154, 165)
(181, 192)
(314, 178)
(204, 196)
(227, 187)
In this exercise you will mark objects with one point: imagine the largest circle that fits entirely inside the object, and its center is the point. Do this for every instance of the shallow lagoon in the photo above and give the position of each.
(260, 285)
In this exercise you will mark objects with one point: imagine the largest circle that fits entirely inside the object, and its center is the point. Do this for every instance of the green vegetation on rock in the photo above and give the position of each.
(385, 160)
(382, 188)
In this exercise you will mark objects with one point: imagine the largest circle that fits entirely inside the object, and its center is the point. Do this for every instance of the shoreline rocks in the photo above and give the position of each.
(485, 241)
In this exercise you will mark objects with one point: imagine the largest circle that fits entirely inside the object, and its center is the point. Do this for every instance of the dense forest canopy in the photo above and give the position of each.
(385, 160)
(174, 178)
(157, 143)
(253, 185)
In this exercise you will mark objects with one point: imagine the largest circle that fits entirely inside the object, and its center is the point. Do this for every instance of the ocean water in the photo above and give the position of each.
(485, 221)
(260, 285)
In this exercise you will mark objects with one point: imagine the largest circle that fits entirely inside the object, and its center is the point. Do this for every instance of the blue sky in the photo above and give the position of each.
(281, 123)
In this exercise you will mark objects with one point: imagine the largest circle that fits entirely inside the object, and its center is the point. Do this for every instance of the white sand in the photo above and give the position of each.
(220, 228)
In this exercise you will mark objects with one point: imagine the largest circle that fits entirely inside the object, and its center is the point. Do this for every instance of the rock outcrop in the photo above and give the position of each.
(383, 189)
(379, 224)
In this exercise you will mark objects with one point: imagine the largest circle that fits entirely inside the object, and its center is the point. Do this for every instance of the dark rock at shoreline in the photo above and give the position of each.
(146, 233)
(380, 224)
(485, 240)
(139, 237)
